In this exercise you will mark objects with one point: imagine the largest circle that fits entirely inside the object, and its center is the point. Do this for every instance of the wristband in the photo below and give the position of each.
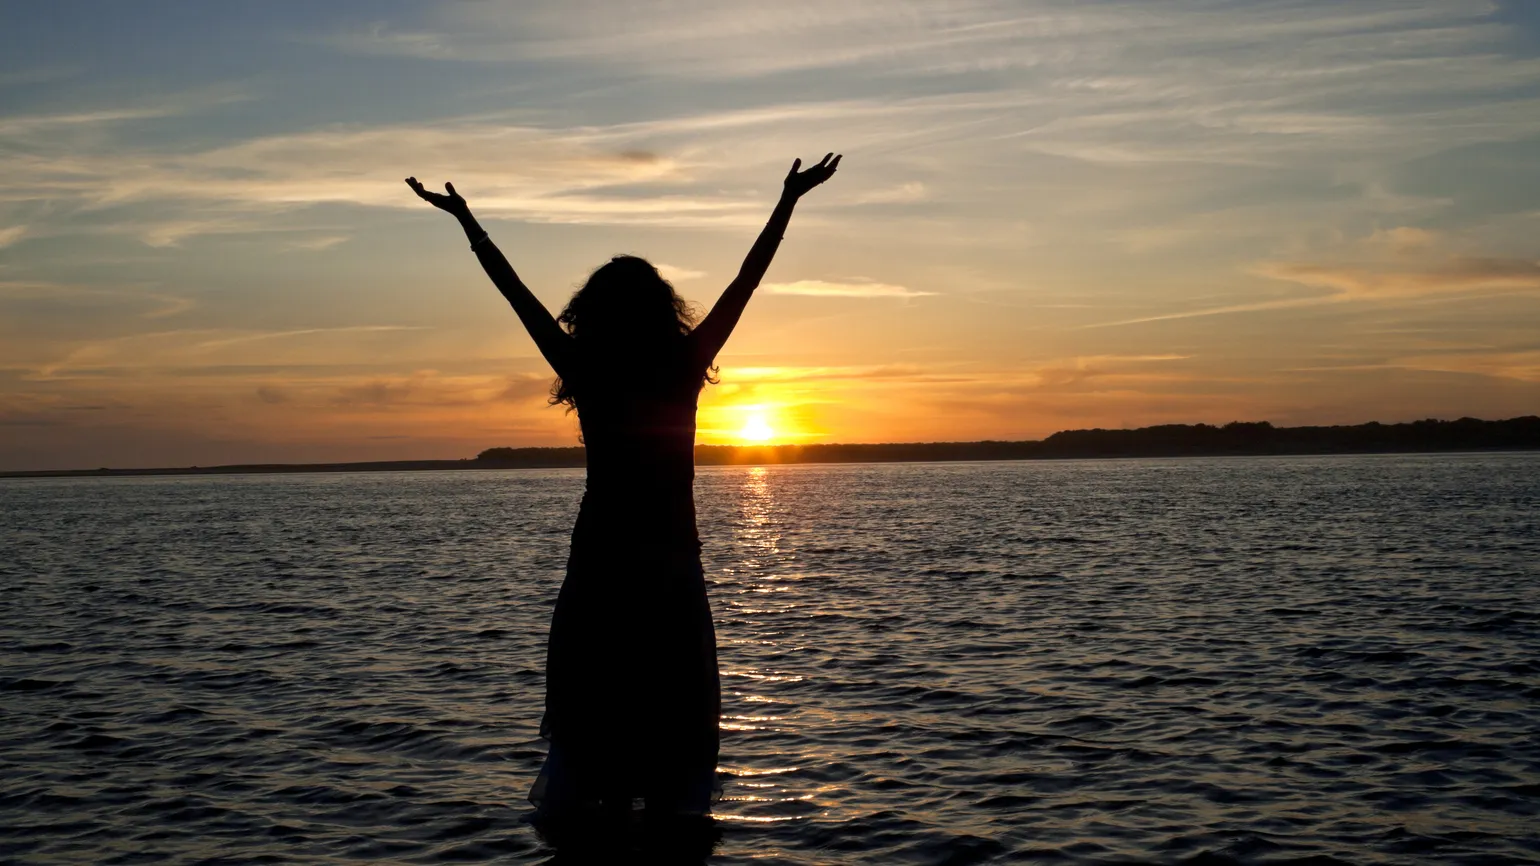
(484, 237)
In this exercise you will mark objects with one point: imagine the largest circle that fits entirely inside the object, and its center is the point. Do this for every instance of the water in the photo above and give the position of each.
(1208, 661)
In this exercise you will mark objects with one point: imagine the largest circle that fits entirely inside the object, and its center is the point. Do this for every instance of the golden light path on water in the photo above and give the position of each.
(761, 580)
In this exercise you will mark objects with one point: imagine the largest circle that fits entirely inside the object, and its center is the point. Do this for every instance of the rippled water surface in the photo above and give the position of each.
(1235, 660)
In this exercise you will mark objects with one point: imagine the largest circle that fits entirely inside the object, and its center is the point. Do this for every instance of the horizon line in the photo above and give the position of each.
(569, 451)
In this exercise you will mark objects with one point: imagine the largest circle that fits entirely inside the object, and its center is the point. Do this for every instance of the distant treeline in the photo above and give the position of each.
(1167, 440)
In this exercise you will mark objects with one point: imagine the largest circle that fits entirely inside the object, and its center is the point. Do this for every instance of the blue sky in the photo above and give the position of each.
(1049, 215)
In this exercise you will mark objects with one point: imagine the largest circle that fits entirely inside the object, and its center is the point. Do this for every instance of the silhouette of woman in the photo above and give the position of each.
(632, 692)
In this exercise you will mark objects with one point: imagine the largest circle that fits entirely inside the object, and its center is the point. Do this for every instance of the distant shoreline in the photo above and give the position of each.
(1238, 439)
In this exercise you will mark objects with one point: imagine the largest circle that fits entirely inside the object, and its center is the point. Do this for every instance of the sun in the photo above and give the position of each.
(756, 429)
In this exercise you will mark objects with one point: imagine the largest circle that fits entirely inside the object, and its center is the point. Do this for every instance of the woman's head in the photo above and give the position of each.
(625, 315)
(627, 301)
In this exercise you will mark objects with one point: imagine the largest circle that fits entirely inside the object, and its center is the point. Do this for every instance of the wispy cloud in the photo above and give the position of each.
(1522, 365)
(380, 38)
(1259, 306)
(168, 105)
(903, 193)
(525, 172)
(1116, 82)
(674, 273)
(792, 374)
(1460, 274)
(317, 243)
(38, 75)
(302, 332)
(1388, 265)
(194, 349)
(25, 124)
(1355, 283)
(843, 289)
(151, 304)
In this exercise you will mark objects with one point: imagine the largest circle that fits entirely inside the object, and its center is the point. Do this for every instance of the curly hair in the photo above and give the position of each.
(625, 310)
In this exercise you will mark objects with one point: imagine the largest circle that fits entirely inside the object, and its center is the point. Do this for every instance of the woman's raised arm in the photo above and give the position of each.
(554, 343)
(718, 325)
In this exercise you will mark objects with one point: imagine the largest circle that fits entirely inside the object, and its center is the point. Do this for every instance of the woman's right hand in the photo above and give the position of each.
(799, 182)
(451, 203)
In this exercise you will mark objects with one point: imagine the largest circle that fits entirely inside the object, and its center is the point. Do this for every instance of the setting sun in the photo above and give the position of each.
(766, 420)
(756, 429)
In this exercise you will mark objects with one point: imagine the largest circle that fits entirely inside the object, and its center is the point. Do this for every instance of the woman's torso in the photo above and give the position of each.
(639, 434)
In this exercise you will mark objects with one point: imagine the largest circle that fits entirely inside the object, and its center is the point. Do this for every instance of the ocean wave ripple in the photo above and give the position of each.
(1300, 660)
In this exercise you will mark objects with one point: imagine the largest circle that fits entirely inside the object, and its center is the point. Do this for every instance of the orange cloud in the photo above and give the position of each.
(1521, 365)
(843, 289)
(1456, 274)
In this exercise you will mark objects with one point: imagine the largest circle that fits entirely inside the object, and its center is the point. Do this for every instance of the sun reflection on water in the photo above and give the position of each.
(758, 683)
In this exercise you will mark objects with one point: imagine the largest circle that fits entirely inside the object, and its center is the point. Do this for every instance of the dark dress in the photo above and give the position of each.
(633, 696)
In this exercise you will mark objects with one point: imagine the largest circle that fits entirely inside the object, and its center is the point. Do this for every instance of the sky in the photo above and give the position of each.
(1049, 215)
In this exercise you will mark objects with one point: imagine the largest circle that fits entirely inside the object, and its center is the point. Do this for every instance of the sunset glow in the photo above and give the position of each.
(1042, 221)
(756, 429)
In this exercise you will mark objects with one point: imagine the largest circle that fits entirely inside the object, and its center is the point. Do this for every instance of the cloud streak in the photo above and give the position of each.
(843, 289)
(1412, 266)
(1459, 274)
(510, 171)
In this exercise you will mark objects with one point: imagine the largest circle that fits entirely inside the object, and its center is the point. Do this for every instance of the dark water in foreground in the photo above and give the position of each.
(1233, 660)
